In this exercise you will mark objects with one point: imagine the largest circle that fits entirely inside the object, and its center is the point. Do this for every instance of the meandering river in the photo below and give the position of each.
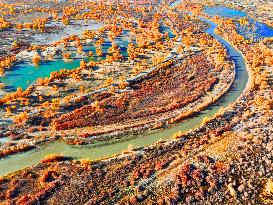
(30, 158)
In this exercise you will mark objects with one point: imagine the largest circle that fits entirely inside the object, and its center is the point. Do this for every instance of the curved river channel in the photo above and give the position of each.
(30, 158)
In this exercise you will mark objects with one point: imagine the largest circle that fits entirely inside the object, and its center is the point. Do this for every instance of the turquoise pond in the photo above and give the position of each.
(254, 30)
(25, 73)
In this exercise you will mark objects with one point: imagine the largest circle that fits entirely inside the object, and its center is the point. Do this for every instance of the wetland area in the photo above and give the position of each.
(145, 103)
